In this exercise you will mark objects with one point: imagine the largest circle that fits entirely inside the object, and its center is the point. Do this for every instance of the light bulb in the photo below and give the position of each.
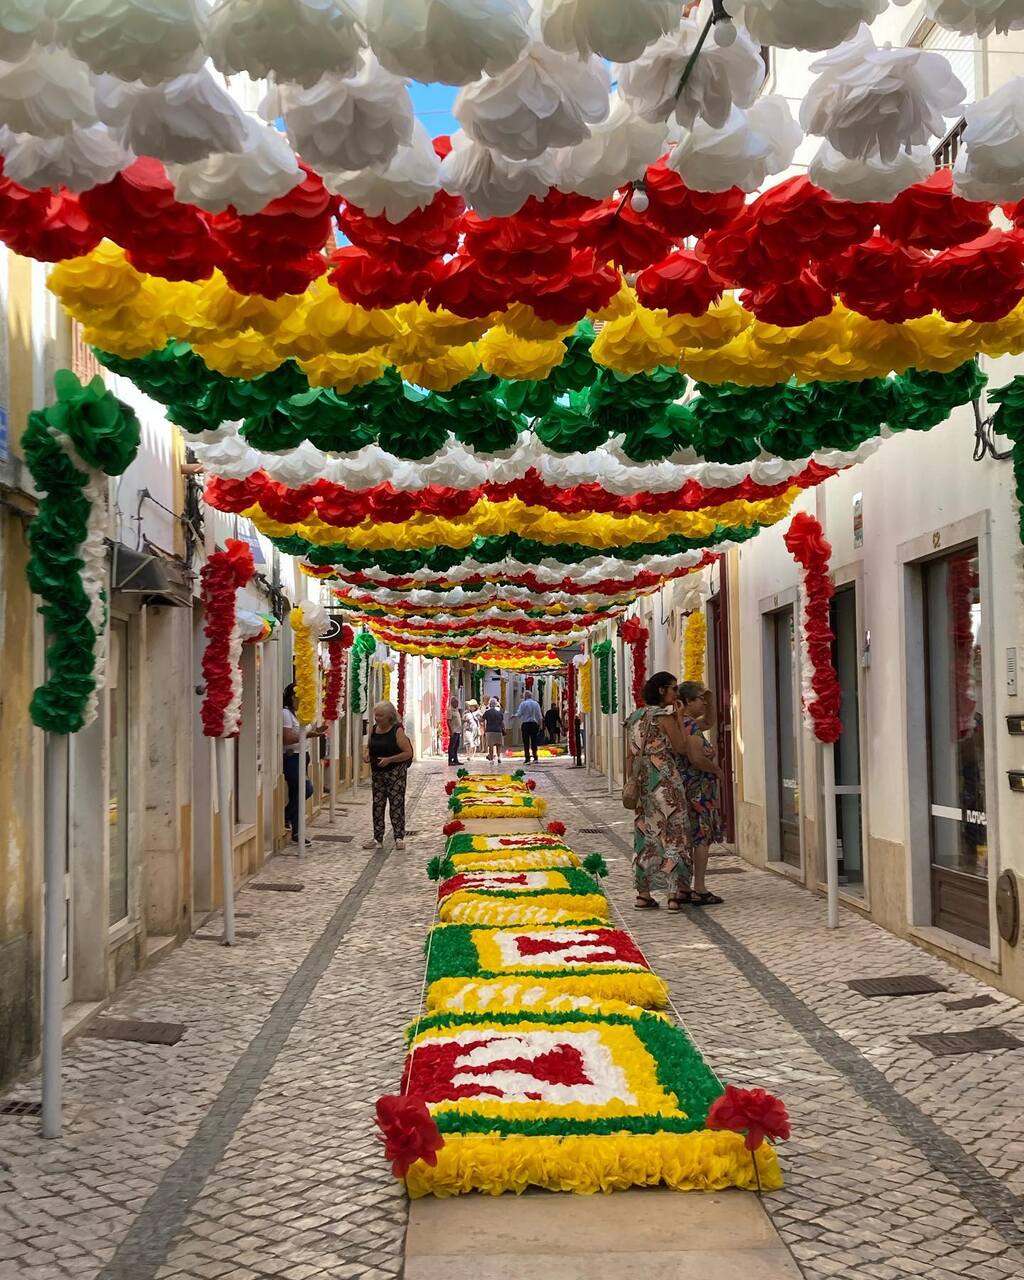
(641, 202)
(725, 33)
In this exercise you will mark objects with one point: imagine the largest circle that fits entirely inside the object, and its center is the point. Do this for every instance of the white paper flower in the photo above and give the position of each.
(346, 124)
(184, 120)
(295, 40)
(719, 79)
(619, 30)
(990, 165)
(751, 145)
(805, 24)
(869, 101)
(408, 183)
(78, 160)
(47, 93)
(22, 24)
(545, 100)
(150, 40)
(975, 17)
(451, 41)
(872, 179)
(264, 170)
(493, 185)
(617, 151)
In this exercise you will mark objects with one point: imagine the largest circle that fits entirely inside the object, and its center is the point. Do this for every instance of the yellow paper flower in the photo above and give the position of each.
(508, 356)
(442, 372)
(586, 687)
(305, 668)
(694, 645)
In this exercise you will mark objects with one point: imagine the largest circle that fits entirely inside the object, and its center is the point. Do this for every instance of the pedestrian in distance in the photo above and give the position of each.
(553, 725)
(454, 731)
(529, 716)
(389, 753)
(292, 767)
(494, 730)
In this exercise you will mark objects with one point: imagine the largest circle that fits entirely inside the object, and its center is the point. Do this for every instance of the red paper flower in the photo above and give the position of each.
(377, 281)
(982, 280)
(1015, 212)
(467, 291)
(46, 225)
(805, 541)
(736, 254)
(519, 249)
(618, 234)
(680, 212)
(929, 216)
(449, 787)
(427, 232)
(879, 279)
(531, 785)
(680, 284)
(791, 302)
(636, 636)
(796, 216)
(453, 827)
(566, 297)
(556, 828)
(408, 1132)
(752, 1112)
(221, 576)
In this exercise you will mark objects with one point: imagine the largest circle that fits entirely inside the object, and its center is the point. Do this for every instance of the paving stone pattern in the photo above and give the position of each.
(247, 1150)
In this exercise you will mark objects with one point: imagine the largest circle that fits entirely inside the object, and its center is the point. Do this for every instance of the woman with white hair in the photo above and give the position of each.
(389, 753)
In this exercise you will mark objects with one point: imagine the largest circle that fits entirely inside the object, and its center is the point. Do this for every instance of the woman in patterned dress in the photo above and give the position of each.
(662, 845)
(701, 774)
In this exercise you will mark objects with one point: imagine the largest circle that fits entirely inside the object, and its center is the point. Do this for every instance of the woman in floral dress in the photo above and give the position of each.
(701, 775)
(662, 844)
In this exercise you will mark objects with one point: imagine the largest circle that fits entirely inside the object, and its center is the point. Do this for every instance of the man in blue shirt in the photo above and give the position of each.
(530, 717)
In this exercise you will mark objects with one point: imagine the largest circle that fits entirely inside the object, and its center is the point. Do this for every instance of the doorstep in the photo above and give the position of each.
(953, 944)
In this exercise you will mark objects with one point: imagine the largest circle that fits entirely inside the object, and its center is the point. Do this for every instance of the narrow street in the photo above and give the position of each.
(247, 1149)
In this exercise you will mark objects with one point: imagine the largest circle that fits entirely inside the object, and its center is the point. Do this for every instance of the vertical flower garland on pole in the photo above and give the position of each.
(71, 447)
(445, 732)
(362, 647)
(636, 636)
(336, 650)
(310, 624)
(571, 736)
(401, 686)
(602, 651)
(695, 639)
(221, 712)
(805, 541)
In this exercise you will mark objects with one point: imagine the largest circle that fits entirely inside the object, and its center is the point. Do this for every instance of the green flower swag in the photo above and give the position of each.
(70, 447)
(602, 651)
(362, 647)
(578, 882)
(679, 1067)
(576, 409)
(1008, 420)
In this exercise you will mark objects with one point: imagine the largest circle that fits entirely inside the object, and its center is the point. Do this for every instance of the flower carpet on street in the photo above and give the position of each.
(540, 1058)
(505, 797)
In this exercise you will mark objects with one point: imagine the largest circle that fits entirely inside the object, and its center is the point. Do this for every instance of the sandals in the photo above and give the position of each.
(707, 899)
(680, 900)
(646, 904)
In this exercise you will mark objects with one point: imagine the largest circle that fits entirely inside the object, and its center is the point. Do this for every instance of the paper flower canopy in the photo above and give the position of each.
(47, 94)
(75, 161)
(805, 24)
(450, 41)
(991, 164)
(180, 121)
(22, 24)
(291, 40)
(749, 146)
(619, 30)
(975, 17)
(148, 40)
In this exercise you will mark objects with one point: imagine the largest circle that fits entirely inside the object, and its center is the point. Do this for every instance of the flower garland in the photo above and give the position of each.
(570, 707)
(309, 624)
(336, 672)
(221, 577)
(586, 686)
(806, 543)
(694, 646)
(385, 683)
(446, 734)
(636, 636)
(402, 660)
(602, 651)
(362, 647)
(70, 448)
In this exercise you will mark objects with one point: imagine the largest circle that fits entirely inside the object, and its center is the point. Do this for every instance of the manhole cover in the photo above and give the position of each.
(592, 831)
(984, 1040)
(20, 1107)
(136, 1031)
(972, 1002)
(270, 886)
(902, 984)
(329, 839)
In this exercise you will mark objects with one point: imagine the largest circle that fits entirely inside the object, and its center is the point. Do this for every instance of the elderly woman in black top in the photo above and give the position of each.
(389, 753)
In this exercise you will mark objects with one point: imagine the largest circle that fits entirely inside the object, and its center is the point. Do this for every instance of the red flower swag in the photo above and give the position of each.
(446, 736)
(556, 828)
(752, 1112)
(221, 576)
(336, 672)
(806, 543)
(407, 1131)
(570, 708)
(636, 637)
(401, 687)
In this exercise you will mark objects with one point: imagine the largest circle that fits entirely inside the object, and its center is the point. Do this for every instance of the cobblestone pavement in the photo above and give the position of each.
(247, 1149)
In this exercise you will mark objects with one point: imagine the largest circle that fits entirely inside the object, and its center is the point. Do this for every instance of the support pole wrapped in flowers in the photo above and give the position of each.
(71, 447)
(221, 712)
(333, 696)
(636, 635)
(805, 541)
(445, 731)
(401, 686)
(310, 624)
(695, 638)
(363, 646)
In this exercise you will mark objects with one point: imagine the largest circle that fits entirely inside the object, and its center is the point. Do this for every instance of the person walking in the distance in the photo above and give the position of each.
(553, 725)
(389, 753)
(494, 729)
(454, 731)
(529, 716)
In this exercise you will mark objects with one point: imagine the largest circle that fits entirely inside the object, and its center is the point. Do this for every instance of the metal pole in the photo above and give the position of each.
(828, 757)
(302, 789)
(227, 852)
(332, 768)
(608, 743)
(55, 784)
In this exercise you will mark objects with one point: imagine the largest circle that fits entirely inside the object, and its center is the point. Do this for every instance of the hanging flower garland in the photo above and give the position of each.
(70, 448)
(806, 543)
(336, 650)
(221, 576)
(402, 660)
(694, 646)
(586, 686)
(309, 623)
(445, 731)
(362, 647)
(570, 707)
(385, 683)
(602, 651)
(636, 636)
